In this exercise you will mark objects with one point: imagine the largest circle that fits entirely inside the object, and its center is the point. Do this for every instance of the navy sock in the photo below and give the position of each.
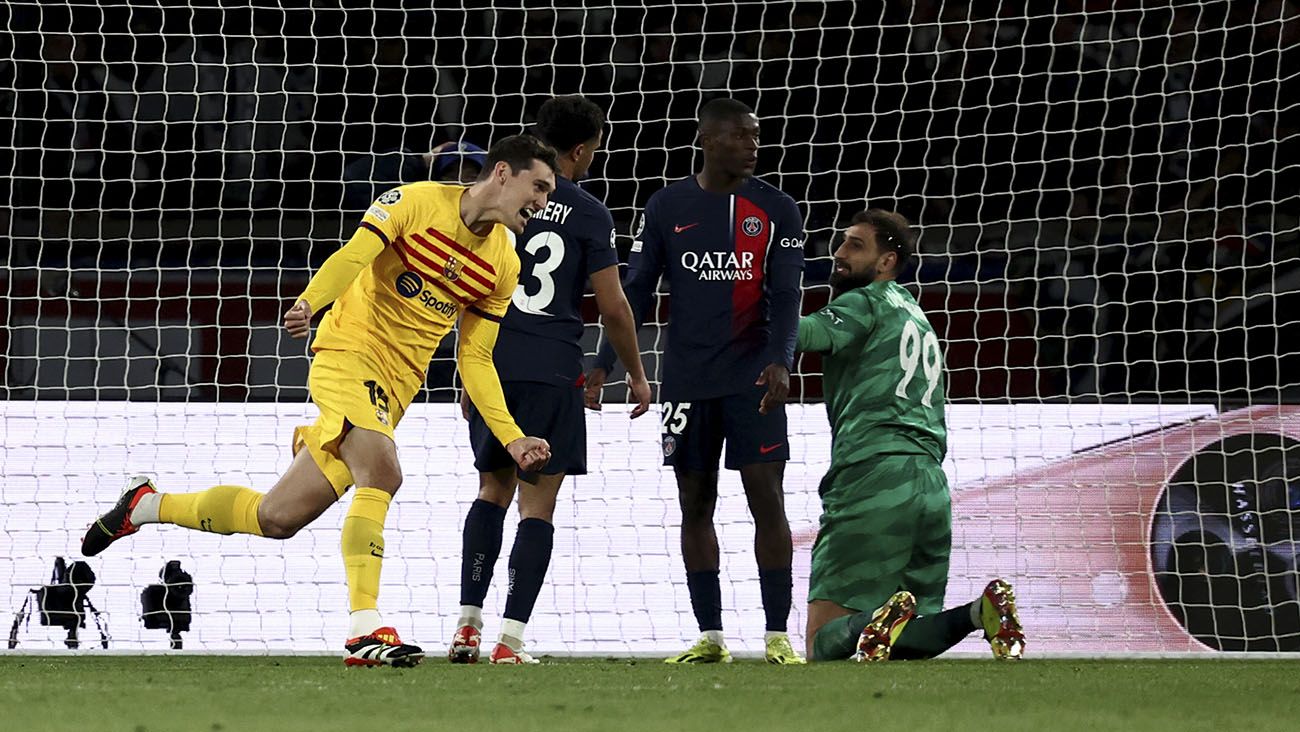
(706, 598)
(776, 586)
(927, 636)
(480, 547)
(529, 559)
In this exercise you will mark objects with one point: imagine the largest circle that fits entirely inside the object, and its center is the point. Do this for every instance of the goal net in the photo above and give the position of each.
(1106, 199)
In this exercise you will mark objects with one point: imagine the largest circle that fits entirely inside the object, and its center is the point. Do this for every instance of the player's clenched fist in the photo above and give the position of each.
(298, 319)
(530, 453)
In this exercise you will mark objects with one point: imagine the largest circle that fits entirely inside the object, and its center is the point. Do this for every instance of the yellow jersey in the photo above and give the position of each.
(400, 283)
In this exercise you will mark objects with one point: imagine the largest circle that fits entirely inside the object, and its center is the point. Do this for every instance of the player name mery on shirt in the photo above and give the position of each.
(554, 211)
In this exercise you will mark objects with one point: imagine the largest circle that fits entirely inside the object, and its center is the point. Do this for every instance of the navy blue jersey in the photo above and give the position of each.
(563, 243)
(734, 262)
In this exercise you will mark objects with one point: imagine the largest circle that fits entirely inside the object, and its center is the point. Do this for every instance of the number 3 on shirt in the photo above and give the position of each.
(536, 304)
(915, 350)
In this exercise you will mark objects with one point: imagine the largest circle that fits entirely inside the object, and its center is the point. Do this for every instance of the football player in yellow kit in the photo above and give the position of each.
(424, 255)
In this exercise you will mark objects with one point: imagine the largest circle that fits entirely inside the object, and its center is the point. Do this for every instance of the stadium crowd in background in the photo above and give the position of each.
(1092, 149)
(1033, 116)
(369, 175)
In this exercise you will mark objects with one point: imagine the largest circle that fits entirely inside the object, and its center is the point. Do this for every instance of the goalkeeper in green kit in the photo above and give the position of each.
(880, 563)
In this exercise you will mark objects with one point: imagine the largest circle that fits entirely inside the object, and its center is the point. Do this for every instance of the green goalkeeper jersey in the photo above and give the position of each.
(884, 380)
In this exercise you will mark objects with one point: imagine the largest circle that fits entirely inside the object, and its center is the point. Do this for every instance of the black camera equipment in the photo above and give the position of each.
(167, 605)
(63, 603)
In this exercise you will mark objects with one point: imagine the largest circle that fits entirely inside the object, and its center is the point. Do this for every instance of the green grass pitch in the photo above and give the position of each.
(249, 693)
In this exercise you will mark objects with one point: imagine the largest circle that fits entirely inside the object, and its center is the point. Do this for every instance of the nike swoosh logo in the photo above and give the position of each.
(765, 449)
(680, 229)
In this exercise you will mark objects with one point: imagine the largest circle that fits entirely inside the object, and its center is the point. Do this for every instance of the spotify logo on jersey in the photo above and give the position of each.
(409, 284)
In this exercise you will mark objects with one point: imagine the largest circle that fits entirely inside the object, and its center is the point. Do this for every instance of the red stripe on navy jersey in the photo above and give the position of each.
(751, 230)
(462, 249)
(438, 268)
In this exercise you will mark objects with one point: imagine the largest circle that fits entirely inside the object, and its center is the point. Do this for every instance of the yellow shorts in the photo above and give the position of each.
(351, 390)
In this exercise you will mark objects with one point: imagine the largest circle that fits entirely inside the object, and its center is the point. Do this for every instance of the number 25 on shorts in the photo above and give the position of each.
(674, 418)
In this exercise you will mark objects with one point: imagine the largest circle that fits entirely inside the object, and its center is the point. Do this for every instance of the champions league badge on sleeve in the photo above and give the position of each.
(390, 197)
(636, 238)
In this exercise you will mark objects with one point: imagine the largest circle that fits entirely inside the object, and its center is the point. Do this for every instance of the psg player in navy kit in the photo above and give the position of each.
(731, 246)
(539, 359)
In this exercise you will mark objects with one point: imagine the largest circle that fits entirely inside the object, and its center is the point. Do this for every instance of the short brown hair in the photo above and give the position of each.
(893, 232)
(519, 152)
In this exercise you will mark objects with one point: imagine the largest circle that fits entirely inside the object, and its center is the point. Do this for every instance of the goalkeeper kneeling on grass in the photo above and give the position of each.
(880, 562)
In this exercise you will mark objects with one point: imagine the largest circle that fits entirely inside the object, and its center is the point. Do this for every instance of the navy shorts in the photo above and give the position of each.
(693, 432)
(549, 411)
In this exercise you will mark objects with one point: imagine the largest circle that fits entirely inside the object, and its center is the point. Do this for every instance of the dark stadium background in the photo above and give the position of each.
(1084, 234)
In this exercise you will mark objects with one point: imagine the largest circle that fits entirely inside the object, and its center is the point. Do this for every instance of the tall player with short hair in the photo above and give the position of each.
(539, 357)
(731, 246)
(424, 255)
(880, 562)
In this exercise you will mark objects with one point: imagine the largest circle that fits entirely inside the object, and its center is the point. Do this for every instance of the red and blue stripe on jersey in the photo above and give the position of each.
(752, 239)
(733, 264)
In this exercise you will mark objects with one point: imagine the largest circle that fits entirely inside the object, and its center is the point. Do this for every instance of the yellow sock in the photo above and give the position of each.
(221, 509)
(363, 546)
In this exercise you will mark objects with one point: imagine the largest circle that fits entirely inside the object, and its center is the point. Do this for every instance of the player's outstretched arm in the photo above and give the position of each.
(620, 328)
(478, 337)
(332, 279)
(815, 333)
(845, 322)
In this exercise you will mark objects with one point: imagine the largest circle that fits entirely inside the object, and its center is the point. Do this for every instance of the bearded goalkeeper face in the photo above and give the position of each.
(860, 260)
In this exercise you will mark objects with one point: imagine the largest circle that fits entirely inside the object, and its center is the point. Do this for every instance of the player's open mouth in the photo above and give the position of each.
(840, 268)
(527, 213)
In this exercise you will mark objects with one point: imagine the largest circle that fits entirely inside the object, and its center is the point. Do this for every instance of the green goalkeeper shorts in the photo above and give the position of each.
(886, 525)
